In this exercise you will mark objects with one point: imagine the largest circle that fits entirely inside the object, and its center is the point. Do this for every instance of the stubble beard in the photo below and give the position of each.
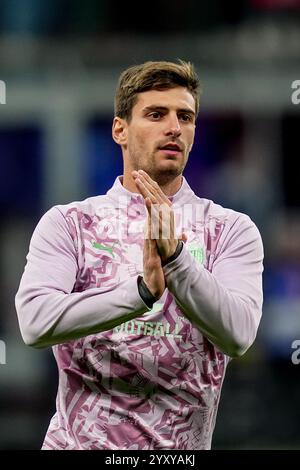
(162, 176)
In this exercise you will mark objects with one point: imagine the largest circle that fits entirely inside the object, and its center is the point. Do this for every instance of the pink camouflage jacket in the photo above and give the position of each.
(131, 377)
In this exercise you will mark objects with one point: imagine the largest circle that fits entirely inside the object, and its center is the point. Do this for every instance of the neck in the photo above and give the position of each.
(128, 182)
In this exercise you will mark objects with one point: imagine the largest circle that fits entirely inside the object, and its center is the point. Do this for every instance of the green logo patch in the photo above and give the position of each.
(197, 252)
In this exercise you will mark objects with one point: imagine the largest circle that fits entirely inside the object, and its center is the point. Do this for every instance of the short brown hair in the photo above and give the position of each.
(159, 75)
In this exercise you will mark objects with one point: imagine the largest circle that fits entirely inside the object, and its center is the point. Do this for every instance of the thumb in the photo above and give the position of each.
(184, 237)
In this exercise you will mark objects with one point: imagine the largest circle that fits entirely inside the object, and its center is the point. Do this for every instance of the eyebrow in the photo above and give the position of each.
(155, 107)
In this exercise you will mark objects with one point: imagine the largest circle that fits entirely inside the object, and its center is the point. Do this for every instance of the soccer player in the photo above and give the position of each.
(146, 292)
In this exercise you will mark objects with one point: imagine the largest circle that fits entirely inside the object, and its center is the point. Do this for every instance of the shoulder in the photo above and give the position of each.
(89, 206)
(66, 218)
(227, 225)
(223, 215)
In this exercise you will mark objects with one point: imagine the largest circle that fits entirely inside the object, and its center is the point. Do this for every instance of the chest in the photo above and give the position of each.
(111, 250)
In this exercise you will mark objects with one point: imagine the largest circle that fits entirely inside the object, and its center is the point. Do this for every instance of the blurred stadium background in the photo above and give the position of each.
(60, 60)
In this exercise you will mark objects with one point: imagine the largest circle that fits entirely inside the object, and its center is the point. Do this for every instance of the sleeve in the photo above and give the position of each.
(48, 311)
(225, 304)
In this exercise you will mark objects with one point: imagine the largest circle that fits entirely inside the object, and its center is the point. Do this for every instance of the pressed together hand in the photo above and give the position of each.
(160, 241)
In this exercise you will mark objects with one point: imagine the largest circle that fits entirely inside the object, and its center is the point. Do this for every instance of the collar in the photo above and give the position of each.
(124, 197)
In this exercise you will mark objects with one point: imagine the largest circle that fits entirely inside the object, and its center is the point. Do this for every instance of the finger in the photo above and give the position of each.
(162, 218)
(144, 190)
(167, 223)
(147, 228)
(148, 206)
(153, 190)
(155, 222)
(154, 219)
(153, 187)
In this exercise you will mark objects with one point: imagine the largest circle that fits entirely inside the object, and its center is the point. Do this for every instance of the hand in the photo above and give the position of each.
(153, 274)
(161, 214)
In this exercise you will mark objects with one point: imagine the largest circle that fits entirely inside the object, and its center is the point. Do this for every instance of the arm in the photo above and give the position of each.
(48, 311)
(225, 304)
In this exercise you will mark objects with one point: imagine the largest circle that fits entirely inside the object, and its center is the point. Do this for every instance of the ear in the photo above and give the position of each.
(119, 131)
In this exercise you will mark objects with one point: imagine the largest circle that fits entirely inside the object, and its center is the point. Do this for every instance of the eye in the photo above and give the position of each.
(185, 117)
(155, 115)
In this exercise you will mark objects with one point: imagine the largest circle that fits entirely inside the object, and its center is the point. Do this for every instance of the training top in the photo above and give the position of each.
(131, 376)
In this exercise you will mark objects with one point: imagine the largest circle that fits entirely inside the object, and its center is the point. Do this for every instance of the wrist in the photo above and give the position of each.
(175, 254)
(166, 254)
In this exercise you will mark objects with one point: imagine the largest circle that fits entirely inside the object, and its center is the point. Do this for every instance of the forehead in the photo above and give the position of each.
(173, 98)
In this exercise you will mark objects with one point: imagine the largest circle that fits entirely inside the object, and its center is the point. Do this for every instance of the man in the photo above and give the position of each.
(146, 292)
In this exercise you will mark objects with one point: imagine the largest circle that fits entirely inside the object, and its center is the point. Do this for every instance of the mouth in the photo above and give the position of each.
(170, 149)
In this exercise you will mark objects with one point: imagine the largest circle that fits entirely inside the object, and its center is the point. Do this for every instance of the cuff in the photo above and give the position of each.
(145, 293)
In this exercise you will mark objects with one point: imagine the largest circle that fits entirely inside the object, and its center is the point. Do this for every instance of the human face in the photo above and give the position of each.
(161, 133)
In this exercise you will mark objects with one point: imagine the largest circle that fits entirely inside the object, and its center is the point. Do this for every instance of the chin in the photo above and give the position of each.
(164, 170)
(171, 167)
(165, 175)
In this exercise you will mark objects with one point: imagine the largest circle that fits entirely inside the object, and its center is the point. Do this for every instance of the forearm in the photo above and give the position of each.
(226, 317)
(48, 316)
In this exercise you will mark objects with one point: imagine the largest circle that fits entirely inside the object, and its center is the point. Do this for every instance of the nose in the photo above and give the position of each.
(173, 126)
